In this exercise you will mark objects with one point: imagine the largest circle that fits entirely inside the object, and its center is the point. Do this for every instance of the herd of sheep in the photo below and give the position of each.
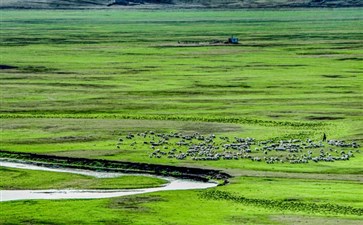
(210, 147)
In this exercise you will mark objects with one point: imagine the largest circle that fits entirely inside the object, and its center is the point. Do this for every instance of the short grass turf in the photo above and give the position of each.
(180, 207)
(301, 65)
(98, 138)
(20, 179)
(72, 82)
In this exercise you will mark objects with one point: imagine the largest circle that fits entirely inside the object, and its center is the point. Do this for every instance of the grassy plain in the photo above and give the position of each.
(291, 65)
(181, 207)
(83, 78)
(19, 179)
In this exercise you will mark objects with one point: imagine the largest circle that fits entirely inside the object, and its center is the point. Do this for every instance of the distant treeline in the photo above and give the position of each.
(74, 4)
(254, 3)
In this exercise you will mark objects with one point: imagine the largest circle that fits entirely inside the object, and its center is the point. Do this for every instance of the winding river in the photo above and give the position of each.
(11, 195)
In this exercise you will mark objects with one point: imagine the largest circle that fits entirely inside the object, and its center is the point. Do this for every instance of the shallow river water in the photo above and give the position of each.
(10, 195)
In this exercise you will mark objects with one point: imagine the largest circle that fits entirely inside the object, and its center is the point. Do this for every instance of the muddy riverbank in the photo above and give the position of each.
(198, 174)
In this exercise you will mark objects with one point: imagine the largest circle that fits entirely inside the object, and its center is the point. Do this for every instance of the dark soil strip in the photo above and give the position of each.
(324, 118)
(117, 166)
(7, 67)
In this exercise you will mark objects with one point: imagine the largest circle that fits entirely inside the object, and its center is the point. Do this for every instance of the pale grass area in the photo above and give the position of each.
(314, 176)
(305, 220)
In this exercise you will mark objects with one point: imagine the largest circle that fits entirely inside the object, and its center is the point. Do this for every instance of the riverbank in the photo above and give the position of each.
(118, 166)
(105, 184)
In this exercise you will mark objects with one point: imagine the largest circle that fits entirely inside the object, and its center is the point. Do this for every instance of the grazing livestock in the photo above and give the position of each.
(198, 147)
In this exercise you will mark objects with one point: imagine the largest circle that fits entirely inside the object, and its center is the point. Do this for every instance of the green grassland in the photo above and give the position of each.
(165, 4)
(291, 65)
(182, 207)
(18, 179)
(83, 79)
